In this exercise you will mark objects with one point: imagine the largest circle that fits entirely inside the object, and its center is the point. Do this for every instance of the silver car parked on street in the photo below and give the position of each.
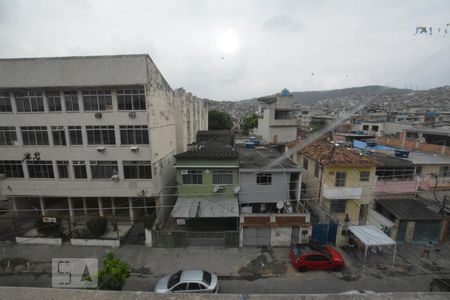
(190, 281)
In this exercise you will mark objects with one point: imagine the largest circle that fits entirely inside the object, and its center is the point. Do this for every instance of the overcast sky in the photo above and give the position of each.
(232, 50)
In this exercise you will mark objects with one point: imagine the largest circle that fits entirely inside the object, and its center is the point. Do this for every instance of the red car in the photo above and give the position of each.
(306, 257)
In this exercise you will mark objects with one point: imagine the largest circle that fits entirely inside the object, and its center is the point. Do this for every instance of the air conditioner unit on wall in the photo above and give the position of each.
(132, 114)
(101, 149)
(115, 177)
(98, 115)
(134, 149)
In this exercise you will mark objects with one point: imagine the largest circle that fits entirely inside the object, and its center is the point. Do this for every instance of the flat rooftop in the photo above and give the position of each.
(422, 158)
(261, 157)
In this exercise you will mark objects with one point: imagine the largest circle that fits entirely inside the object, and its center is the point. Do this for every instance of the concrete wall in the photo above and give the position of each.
(255, 193)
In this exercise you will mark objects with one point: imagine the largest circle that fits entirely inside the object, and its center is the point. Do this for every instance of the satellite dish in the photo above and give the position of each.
(237, 189)
(216, 188)
(280, 204)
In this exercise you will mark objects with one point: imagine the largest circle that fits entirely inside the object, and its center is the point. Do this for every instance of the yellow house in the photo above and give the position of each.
(337, 184)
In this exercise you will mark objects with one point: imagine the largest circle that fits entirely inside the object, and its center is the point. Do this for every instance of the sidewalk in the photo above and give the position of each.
(227, 262)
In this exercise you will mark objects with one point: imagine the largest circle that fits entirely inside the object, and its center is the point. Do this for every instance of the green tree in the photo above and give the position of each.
(219, 120)
(114, 273)
(249, 122)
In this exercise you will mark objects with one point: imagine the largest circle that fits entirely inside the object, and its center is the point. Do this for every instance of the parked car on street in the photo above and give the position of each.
(190, 281)
(306, 257)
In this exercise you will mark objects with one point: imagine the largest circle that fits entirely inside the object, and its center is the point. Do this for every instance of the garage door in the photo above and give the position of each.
(256, 236)
(427, 231)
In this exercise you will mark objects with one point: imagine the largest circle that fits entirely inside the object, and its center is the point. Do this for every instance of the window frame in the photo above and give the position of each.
(97, 100)
(101, 134)
(342, 180)
(222, 176)
(33, 100)
(8, 134)
(264, 178)
(11, 168)
(70, 98)
(53, 99)
(65, 164)
(59, 134)
(133, 133)
(103, 169)
(39, 167)
(79, 168)
(305, 163)
(39, 134)
(193, 177)
(364, 176)
(338, 205)
(5, 103)
(136, 98)
(141, 169)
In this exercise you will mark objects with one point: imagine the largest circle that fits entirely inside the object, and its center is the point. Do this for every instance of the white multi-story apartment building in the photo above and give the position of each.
(87, 134)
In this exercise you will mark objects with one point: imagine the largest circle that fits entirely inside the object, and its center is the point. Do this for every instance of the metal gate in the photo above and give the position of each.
(254, 236)
(427, 231)
(401, 232)
(324, 233)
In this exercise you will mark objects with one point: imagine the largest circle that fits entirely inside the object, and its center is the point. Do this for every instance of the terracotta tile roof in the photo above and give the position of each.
(330, 155)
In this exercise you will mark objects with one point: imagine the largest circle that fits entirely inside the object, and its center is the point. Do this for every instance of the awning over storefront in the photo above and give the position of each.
(370, 236)
(206, 208)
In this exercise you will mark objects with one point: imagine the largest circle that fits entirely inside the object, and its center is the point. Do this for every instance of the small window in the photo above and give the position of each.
(54, 101)
(5, 103)
(79, 169)
(59, 135)
(419, 171)
(63, 168)
(264, 179)
(71, 99)
(131, 99)
(340, 178)
(8, 135)
(221, 176)
(40, 169)
(103, 169)
(316, 170)
(444, 171)
(305, 163)
(364, 176)
(337, 206)
(76, 137)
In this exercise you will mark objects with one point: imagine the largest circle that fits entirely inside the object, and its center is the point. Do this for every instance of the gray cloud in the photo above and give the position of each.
(280, 43)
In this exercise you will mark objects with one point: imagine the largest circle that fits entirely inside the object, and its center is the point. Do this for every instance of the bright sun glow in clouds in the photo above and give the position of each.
(227, 41)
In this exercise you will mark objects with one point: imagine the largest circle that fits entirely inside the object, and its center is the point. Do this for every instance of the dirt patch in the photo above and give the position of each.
(264, 265)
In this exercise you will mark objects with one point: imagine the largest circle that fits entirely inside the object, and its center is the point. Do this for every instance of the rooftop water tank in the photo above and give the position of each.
(285, 92)
(371, 143)
(249, 145)
(401, 153)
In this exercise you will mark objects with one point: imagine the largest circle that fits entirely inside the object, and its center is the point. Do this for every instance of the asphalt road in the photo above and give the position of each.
(307, 283)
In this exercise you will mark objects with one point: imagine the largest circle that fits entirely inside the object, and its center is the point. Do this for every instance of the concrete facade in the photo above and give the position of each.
(111, 77)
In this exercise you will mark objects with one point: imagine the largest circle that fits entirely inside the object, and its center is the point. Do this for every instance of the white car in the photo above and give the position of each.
(191, 281)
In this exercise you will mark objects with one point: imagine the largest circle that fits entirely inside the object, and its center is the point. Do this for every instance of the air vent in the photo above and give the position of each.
(98, 115)
(132, 114)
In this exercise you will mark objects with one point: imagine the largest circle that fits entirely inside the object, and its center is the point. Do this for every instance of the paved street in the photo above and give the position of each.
(249, 270)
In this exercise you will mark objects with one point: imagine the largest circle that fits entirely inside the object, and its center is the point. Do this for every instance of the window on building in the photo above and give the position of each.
(444, 171)
(305, 163)
(340, 178)
(221, 176)
(101, 135)
(337, 206)
(59, 136)
(5, 103)
(79, 169)
(11, 168)
(97, 100)
(366, 127)
(316, 170)
(264, 178)
(364, 176)
(131, 99)
(134, 135)
(76, 136)
(54, 101)
(103, 169)
(419, 171)
(375, 128)
(395, 173)
(192, 176)
(40, 169)
(34, 135)
(30, 101)
(63, 168)
(8, 135)
(137, 169)
(71, 99)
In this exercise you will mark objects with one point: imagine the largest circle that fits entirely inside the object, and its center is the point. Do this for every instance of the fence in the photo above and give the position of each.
(180, 238)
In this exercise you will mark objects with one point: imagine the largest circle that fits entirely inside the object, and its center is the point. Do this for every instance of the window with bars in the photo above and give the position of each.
(8, 135)
(337, 206)
(34, 135)
(30, 101)
(11, 168)
(101, 135)
(59, 135)
(264, 178)
(137, 169)
(97, 100)
(103, 169)
(305, 163)
(192, 176)
(40, 169)
(220, 176)
(340, 178)
(63, 168)
(76, 136)
(444, 171)
(54, 101)
(364, 176)
(79, 169)
(71, 100)
(134, 134)
(5, 102)
(131, 99)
